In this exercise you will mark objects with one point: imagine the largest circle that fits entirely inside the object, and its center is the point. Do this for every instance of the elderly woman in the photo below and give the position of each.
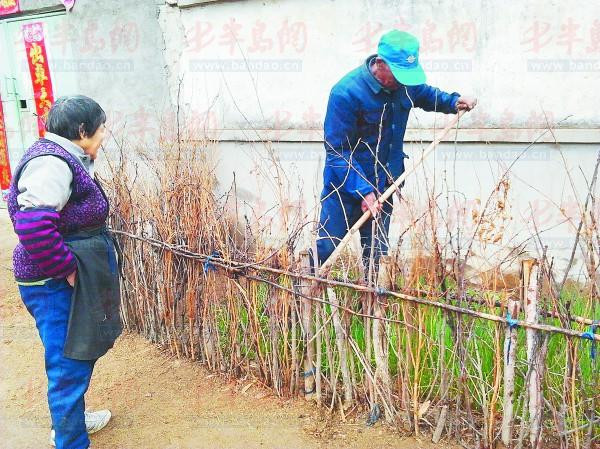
(65, 261)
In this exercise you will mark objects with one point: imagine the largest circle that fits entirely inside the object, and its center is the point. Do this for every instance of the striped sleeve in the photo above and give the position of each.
(37, 232)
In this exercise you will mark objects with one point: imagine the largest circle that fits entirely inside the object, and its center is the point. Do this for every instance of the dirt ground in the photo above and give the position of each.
(158, 402)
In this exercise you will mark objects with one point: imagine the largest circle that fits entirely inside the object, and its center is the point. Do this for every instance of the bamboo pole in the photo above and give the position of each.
(326, 266)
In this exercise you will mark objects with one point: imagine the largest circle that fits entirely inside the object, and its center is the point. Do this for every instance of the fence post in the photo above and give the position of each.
(341, 340)
(532, 315)
(294, 381)
(309, 346)
(510, 351)
(380, 342)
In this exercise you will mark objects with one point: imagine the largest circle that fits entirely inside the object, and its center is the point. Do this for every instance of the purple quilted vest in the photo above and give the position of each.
(87, 206)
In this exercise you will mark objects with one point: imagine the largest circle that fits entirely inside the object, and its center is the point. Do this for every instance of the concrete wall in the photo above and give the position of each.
(260, 71)
(112, 51)
(127, 36)
(255, 75)
(271, 63)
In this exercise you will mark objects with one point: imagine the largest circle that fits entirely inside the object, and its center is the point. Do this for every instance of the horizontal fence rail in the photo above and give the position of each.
(241, 268)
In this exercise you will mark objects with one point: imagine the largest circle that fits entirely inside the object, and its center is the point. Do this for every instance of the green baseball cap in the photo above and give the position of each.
(400, 51)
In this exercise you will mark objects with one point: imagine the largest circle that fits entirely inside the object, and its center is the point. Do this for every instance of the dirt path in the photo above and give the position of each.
(157, 402)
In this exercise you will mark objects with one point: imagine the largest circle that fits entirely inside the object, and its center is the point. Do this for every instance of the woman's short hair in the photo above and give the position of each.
(73, 114)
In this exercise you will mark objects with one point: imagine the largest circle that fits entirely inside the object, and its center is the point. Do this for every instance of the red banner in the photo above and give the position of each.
(33, 34)
(4, 162)
(8, 7)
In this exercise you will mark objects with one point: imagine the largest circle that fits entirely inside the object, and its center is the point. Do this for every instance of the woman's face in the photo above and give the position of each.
(92, 144)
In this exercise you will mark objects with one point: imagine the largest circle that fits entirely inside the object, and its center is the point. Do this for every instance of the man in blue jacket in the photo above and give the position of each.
(364, 134)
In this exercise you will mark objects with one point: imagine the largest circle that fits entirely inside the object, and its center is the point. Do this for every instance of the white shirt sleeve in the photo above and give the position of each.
(44, 182)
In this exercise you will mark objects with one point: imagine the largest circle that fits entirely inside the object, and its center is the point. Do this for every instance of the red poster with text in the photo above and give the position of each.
(4, 162)
(33, 34)
(9, 7)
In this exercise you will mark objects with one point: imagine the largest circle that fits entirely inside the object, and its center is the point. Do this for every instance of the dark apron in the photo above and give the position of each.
(94, 320)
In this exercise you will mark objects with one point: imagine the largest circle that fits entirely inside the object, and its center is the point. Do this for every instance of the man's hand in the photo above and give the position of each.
(465, 103)
(71, 278)
(370, 203)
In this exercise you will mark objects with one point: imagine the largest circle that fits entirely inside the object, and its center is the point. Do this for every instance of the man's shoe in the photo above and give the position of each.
(94, 421)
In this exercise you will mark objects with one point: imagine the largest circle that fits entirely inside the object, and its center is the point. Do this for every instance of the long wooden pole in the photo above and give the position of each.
(385, 196)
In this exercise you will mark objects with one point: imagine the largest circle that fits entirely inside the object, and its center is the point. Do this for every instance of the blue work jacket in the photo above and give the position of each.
(364, 130)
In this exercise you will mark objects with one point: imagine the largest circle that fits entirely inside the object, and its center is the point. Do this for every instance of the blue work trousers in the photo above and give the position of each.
(68, 379)
(339, 212)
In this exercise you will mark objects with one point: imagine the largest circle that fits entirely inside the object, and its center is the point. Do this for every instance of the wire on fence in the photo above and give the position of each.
(241, 269)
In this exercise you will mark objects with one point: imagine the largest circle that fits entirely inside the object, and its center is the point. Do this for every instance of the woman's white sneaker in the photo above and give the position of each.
(94, 421)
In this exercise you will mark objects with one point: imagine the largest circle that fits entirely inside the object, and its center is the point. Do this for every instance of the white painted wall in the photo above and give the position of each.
(540, 194)
(483, 48)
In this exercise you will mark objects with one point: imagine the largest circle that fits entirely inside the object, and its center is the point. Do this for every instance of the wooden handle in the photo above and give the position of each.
(388, 193)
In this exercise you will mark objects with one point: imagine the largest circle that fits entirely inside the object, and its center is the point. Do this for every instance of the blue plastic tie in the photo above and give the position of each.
(312, 372)
(380, 291)
(208, 265)
(589, 335)
(512, 324)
